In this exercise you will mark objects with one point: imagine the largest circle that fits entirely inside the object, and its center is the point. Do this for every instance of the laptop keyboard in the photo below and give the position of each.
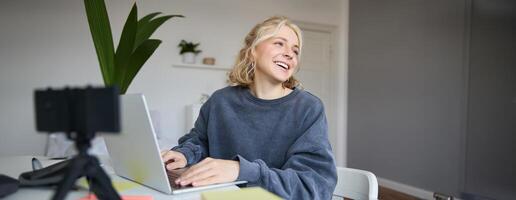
(173, 175)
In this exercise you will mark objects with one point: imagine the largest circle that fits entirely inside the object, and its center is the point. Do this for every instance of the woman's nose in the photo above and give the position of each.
(288, 54)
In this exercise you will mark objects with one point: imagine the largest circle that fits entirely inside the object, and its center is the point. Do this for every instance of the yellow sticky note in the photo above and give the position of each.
(251, 193)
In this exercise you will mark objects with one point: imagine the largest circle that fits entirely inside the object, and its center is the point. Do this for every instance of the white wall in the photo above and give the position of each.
(48, 43)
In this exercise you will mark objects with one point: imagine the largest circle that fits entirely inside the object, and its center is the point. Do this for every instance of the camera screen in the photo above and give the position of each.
(77, 110)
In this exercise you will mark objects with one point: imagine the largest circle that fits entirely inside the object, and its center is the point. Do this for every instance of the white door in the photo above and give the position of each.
(315, 73)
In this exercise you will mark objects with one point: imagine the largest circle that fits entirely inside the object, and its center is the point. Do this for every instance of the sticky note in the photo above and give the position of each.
(251, 193)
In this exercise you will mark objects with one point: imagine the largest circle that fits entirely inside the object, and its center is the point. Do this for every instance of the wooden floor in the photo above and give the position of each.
(389, 194)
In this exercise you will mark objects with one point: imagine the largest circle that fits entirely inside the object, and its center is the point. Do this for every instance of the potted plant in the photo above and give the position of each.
(188, 51)
(134, 48)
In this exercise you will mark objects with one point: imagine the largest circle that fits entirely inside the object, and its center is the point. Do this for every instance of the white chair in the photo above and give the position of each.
(356, 184)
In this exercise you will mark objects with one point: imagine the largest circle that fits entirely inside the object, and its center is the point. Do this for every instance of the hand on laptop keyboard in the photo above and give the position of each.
(210, 171)
(173, 159)
(173, 175)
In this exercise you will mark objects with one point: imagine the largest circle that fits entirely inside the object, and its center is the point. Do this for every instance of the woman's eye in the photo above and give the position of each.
(279, 43)
(296, 52)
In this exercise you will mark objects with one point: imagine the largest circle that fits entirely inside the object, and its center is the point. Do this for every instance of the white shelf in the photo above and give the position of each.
(201, 66)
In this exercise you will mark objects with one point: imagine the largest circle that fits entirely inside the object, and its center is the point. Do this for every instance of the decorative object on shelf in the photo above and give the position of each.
(188, 51)
(134, 49)
(208, 61)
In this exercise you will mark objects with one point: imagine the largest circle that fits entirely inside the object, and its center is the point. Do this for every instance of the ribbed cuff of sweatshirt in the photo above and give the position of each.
(249, 171)
(186, 152)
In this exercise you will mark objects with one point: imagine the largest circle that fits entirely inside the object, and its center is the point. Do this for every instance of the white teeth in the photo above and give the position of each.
(281, 64)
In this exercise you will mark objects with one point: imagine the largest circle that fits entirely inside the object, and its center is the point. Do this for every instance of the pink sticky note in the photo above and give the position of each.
(124, 197)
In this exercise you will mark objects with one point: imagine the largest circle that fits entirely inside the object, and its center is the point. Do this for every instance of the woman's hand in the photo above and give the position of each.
(210, 171)
(173, 159)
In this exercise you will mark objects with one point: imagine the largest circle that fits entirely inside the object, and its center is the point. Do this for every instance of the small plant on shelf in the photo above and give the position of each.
(188, 51)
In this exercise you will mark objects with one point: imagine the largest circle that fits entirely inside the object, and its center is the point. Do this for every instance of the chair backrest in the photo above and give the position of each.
(356, 184)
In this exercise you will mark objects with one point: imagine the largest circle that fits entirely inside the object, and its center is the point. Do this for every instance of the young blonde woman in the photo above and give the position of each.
(263, 129)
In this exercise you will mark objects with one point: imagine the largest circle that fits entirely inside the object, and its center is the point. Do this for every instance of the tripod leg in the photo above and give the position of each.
(100, 182)
(73, 172)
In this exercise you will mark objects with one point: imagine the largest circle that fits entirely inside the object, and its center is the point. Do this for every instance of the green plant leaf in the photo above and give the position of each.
(188, 47)
(100, 28)
(137, 59)
(125, 46)
(144, 20)
(147, 29)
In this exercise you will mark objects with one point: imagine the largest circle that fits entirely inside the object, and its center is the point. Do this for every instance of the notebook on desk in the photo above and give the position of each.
(135, 154)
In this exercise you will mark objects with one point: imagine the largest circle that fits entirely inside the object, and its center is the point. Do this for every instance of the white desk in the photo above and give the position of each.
(13, 166)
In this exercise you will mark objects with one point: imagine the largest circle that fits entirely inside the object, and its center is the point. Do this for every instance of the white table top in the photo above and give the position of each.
(13, 166)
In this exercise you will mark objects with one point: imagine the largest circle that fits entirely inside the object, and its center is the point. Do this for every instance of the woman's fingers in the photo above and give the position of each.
(175, 165)
(194, 170)
(210, 171)
(171, 155)
(173, 159)
(166, 156)
(206, 181)
(198, 177)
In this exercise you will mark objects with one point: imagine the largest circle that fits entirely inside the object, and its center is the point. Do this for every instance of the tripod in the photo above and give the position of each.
(86, 165)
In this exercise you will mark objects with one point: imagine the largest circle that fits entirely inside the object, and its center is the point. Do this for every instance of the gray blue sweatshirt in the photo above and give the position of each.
(282, 144)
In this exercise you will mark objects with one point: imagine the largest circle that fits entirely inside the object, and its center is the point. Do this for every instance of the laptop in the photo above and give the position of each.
(135, 153)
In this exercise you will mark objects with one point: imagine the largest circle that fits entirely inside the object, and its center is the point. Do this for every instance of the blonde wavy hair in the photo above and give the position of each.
(243, 71)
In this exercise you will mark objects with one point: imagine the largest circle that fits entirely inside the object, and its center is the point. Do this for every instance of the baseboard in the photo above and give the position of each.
(407, 189)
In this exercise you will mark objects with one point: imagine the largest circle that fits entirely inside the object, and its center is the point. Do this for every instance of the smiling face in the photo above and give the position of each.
(277, 57)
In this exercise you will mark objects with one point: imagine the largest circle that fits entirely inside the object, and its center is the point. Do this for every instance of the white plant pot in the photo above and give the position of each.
(189, 58)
